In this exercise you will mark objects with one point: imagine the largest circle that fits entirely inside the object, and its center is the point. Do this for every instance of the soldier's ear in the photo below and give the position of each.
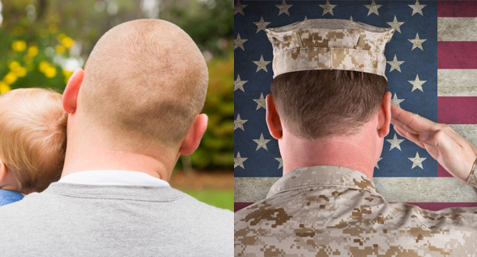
(384, 115)
(273, 119)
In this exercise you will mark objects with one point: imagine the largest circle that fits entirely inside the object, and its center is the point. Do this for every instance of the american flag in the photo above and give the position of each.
(431, 70)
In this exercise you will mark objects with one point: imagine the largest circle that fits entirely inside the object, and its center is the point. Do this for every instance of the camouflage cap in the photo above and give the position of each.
(329, 44)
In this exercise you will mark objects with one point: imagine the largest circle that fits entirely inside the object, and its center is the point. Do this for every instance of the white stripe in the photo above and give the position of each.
(424, 190)
(455, 82)
(467, 131)
(456, 29)
(392, 189)
(252, 189)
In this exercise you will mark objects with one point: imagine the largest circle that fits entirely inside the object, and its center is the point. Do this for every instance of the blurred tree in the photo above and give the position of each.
(209, 22)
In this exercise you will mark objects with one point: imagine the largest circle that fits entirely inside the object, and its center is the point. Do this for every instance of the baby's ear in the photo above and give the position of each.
(3, 171)
(7, 179)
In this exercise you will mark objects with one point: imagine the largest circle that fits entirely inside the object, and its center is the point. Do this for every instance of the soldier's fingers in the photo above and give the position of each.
(441, 140)
(404, 126)
(416, 122)
(410, 136)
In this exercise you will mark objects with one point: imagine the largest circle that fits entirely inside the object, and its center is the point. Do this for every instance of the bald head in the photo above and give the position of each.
(145, 80)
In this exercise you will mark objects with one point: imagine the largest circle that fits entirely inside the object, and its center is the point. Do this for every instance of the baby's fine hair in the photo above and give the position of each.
(33, 136)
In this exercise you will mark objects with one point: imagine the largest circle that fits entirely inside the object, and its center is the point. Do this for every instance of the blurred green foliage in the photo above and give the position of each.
(219, 198)
(217, 147)
(41, 40)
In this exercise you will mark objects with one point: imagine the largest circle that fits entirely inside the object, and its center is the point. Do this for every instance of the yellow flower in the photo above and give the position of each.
(20, 72)
(4, 87)
(50, 72)
(60, 49)
(47, 69)
(10, 78)
(19, 45)
(67, 75)
(32, 51)
(17, 69)
(67, 42)
(13, 65)
(44, 65)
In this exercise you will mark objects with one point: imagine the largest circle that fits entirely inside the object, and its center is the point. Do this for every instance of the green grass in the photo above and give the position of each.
(219, 198)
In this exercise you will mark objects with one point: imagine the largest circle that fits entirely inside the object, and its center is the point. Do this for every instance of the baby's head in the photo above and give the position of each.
(32, 138)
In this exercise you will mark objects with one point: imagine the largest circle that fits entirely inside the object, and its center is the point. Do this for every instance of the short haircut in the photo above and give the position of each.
(33, 136)
(145, 81)
(318, 103)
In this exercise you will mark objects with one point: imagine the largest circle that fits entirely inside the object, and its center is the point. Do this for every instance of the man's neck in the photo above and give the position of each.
(83, 156)
(351, 152)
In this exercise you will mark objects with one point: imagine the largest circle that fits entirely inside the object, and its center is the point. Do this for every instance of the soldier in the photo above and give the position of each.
(330, 111)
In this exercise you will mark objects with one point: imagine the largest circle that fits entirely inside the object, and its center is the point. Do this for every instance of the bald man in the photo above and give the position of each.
(131, 113)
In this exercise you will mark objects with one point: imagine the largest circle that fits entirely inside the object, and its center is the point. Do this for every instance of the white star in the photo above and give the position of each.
(417, 161)
(261, 102)
(238, 84)
(417, 84)
(261, 25)
(281, 162)
(417, 42)
(417, 8)
(261, 65)
(395, 64)
(395, 142)
(395, 24)
(238, 123)
(396, 100)
(373, 8)
(284, 8)
(238, 8)
(377, 166)
(238, 42)
(261, 143)
(238, 161)
(327, 8)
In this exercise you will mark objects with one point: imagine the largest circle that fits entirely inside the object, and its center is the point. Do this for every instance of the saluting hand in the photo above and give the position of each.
(450, 149)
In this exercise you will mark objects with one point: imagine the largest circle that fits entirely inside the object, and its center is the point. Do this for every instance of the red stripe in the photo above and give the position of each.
(427, 206)
(456, 9)
(441, 172)
(239, 206)
(457, 110)
(457, 55)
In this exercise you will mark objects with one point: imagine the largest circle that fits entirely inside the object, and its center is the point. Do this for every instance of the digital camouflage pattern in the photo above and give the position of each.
(324, 44)
(337, 211)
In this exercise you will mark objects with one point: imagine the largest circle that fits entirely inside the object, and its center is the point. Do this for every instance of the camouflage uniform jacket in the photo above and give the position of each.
(337, 211)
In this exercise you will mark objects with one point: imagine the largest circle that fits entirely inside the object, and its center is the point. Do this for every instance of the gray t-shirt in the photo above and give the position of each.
(93, 220)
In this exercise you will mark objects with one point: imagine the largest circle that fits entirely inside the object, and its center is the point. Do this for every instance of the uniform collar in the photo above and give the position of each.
(324, 176)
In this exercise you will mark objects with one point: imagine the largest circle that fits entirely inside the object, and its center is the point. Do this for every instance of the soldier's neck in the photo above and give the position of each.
(355, 152)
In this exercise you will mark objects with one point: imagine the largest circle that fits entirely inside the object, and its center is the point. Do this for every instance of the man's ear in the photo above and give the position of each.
(384, 115)
(273, 119)
(70, 95)
(193, 137)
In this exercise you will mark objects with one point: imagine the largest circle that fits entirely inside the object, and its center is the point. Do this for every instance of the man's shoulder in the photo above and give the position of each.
(40, 221)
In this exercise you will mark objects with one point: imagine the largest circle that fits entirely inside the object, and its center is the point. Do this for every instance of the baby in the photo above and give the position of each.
(32, 141)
